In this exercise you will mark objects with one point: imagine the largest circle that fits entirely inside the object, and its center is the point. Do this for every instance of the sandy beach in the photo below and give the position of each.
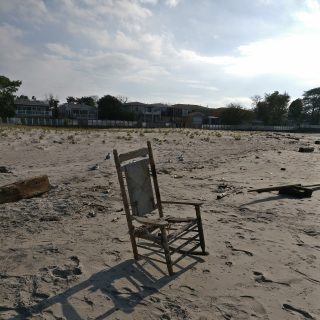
(67, 254)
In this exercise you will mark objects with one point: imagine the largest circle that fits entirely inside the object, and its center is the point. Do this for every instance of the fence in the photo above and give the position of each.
(87, 123)
(135, 124)
(249, 127)
(301, 127)
(72, 123)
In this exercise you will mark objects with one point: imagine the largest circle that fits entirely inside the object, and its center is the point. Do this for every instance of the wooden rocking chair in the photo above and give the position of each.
(137, 192)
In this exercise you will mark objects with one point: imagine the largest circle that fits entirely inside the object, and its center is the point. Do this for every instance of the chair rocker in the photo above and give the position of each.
(164, 236)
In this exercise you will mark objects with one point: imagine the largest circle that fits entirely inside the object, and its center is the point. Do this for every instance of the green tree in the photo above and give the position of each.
(122, 99)
(234, 114)
(311, 105)
(255, 100)
(273, 108)
(111, 108)
(89, 101)
(296, 110)
(53, 105)
(71, 99)
(7, 90)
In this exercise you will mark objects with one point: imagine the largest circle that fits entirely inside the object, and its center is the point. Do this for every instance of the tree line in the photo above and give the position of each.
(109, 107)
(272, 109)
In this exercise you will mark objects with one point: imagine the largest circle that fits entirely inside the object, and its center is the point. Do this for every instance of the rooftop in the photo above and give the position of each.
(27, 102)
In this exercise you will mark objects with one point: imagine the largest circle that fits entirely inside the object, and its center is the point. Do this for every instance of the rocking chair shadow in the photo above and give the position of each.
(112, 283)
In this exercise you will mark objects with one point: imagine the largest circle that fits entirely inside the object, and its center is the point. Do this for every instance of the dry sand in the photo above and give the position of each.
(67, 255)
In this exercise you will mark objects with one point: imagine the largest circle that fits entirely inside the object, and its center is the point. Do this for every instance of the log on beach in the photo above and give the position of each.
(24, 189)
(306, 149)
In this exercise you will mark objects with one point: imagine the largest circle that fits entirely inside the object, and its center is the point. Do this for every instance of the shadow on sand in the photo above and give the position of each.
(104, 281)
(269, 198)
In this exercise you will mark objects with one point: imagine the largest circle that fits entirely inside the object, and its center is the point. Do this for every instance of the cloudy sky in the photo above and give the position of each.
(208, 52)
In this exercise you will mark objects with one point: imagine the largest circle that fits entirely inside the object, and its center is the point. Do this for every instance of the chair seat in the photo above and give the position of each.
(179, 219)
(152, 232)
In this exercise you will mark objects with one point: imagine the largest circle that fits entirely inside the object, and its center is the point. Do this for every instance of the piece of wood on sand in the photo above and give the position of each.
(294, 190)
(24, 189)
(306, 149)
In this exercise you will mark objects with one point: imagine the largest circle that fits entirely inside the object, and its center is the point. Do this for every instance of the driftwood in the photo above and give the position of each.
(24, 189)
(306, 149)
(294, 190)
(4, 169)
(297, 192)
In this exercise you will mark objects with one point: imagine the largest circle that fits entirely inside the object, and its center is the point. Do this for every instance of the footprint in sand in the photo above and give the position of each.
(259, 277)
(230, 246)
(69, 270)
(187, 289)
(242, 308)
(293, 310)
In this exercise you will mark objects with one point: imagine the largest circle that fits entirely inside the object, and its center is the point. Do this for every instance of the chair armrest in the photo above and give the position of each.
(151, 222)
(188, 203)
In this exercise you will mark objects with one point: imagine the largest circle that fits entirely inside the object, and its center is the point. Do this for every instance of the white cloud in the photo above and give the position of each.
(11, 48)
(293, 56)
(290, 56)
(313, 4)
(243, 101)
(124, 9)
(100, 37)
(153, 44)
(203, 87)
(31, 11)
(27, 7)
(9, 31)
(147, 74)
(196, 84)
(153, 2)
(40, 73)
(122, 41)
(62, 50)
(309, 18)
(172, 3)
(193, 57)
(265, 2)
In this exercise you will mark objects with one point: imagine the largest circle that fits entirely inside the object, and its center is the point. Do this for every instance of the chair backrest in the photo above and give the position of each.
(140, 196)
(139, 187)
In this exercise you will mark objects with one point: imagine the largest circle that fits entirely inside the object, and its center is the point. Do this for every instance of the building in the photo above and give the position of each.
(194, 119)
(178, 115)
(159, 113)
(193, 115)
(150, 113)
(78, 111)
(32, 108)
(211, 120)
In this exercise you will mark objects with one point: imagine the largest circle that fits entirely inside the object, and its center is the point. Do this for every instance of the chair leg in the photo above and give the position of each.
(134, 247)
(166, 250)
(200, 229)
